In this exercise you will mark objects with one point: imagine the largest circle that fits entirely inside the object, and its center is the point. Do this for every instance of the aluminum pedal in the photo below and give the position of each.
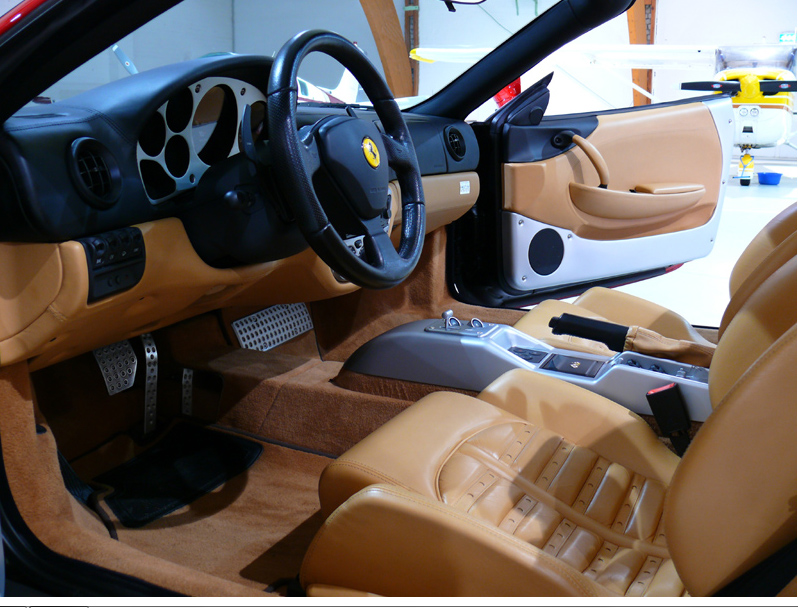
(150, 382)
(187, 401)
(272, 326)
(118, 365)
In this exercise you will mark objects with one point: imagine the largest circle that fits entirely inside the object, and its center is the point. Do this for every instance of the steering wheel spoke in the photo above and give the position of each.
(378, 246)
(399, 156)
(309, 150)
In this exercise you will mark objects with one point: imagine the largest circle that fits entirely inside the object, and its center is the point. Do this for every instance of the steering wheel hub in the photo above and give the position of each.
(352, 156)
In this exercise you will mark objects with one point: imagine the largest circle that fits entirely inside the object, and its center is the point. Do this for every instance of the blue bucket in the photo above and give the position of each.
(769, 179)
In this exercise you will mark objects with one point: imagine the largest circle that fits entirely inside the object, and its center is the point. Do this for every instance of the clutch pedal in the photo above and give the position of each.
(272, 326)
(118, 365)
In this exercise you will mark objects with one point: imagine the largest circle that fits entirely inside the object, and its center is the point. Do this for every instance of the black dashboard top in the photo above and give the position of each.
(165, 143)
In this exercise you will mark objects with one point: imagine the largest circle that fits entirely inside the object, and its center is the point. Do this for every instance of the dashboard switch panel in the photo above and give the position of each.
(116, 261)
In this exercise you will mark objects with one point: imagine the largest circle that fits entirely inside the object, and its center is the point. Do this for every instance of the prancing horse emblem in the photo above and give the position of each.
(370, 152)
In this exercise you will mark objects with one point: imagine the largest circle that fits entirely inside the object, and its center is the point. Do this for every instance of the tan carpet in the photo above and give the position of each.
(253, 530)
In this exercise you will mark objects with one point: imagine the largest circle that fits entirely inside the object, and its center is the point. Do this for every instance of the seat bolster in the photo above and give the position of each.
(425, 435)
(765, 316)
(389, 541)
(626, 309)
(583, 418)
(780, 255)
(733, 501)
(775, 232)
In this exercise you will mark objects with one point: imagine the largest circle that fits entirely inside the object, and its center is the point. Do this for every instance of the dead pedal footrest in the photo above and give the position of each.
(272, 326)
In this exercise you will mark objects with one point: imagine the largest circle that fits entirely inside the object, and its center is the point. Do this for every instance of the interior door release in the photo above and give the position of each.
(563, 139)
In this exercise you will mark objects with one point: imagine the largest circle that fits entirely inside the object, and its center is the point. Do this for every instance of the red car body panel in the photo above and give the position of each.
(17, 14)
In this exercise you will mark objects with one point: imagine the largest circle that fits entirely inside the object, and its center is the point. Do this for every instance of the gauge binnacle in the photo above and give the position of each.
(156, 181)
(260, 127)
(215, 125)
(153, 135)
(178, 111)
(177, 156)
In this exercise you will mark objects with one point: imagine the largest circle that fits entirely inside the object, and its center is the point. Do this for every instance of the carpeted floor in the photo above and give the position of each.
(252, 530)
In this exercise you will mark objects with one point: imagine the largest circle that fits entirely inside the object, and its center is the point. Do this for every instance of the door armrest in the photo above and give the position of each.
(618, 205)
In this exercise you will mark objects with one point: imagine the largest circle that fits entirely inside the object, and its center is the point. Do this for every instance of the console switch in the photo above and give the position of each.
(573, 365)
(527, 354)
(116, 261)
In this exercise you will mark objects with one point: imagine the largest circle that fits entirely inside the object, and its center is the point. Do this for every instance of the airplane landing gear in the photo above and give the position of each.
(746, 167)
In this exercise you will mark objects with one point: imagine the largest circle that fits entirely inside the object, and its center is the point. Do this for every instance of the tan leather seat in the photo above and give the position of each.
(538, 487)
(772, 247)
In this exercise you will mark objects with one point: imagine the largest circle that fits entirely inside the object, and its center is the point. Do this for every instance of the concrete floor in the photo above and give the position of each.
(699, 290)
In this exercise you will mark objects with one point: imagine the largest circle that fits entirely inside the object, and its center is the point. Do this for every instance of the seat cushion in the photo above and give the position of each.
(569, 473)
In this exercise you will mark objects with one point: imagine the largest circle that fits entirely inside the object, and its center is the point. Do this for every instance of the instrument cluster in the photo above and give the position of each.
(196, 128)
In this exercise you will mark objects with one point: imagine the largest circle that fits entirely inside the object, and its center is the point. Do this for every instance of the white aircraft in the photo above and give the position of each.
(760, 77)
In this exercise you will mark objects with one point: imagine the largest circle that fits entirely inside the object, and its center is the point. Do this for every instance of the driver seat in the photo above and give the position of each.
(770, 248)
(540, 488)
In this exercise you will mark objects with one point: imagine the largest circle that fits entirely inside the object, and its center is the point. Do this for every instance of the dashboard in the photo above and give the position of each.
(120, 200)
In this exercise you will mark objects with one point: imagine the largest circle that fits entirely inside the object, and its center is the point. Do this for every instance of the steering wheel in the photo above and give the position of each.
(350, 153)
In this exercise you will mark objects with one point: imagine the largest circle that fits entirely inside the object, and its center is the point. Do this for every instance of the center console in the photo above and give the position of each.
(471, 354)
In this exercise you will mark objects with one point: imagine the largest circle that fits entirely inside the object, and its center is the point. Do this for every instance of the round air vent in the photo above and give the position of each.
(95, 172)
(455, 143)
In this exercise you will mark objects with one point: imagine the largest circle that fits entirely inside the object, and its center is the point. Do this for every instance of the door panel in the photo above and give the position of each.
(678, 144)
(612, 232)
(546, 227)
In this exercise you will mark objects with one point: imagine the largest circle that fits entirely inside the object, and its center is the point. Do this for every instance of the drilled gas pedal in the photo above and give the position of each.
(118, 365)
(272, 326)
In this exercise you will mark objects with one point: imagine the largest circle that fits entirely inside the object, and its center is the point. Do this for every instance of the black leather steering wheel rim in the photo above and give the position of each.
(295, 159)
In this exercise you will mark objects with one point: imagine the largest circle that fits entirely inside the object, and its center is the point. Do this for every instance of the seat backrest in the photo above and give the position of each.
(774, 233)
(767, 313)
(780, 255)
(732, 500)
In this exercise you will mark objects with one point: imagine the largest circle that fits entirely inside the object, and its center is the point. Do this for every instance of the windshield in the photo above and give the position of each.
(424, 29)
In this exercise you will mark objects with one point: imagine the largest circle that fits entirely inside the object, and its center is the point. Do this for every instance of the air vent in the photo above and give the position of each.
(95, 172)
(455, 143)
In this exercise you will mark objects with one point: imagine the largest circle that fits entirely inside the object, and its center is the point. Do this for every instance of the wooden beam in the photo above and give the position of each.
(411, 39)
(387, 32)
(640, 19)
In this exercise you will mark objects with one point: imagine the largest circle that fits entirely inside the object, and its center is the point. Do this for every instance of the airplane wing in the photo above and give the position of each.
(636, 56)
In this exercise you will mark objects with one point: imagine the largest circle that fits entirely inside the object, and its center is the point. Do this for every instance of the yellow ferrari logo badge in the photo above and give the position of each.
(370, 152)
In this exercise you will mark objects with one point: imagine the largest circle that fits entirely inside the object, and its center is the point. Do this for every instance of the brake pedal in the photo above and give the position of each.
(150, 382)
(272, 326)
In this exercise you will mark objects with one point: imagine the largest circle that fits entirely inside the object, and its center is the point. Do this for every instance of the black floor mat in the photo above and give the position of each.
(187, 463)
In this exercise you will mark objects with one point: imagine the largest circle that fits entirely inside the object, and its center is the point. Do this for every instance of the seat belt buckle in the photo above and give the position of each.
(670, 412)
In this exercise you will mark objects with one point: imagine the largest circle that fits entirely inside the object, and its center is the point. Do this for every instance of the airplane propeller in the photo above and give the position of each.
(771, 87)
(727, 86)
